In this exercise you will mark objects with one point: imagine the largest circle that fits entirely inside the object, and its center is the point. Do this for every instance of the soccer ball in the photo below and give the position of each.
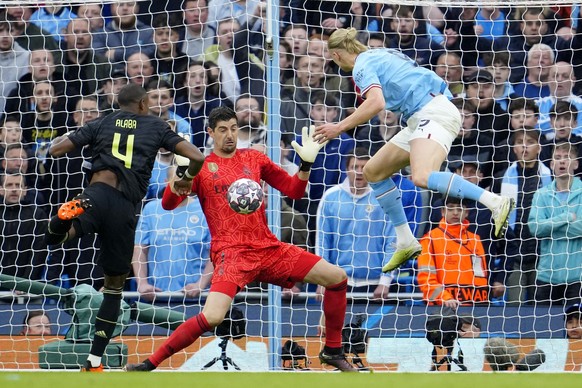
(245, 196)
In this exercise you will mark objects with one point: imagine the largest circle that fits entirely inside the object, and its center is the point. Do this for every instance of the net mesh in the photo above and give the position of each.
(512, 68)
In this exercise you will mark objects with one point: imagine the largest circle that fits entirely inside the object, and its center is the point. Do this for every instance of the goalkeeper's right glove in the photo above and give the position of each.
(309, 149)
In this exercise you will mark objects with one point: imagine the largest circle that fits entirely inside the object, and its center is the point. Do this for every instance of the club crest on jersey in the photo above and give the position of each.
(213, 167)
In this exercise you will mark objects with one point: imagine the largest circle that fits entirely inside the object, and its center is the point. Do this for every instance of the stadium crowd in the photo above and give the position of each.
(515, 74)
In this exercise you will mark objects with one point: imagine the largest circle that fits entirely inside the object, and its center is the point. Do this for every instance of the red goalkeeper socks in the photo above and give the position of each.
(182, 337)
(334, 309)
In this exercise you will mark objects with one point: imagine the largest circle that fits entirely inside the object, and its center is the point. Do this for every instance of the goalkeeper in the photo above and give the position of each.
(243, 249)
(389, 80)
(124, 146)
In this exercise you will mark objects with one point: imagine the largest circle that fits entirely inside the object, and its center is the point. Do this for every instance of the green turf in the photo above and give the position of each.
(286, 380)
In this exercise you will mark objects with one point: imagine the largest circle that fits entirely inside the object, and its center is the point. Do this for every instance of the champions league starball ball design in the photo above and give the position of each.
(245, 196)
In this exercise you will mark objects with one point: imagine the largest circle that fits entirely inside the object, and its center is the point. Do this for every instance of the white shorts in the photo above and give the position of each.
(439, 120)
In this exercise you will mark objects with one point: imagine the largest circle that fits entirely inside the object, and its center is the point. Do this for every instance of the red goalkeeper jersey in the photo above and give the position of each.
(228, 228)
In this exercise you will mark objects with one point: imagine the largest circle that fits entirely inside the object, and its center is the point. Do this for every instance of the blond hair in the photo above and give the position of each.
(345, 39)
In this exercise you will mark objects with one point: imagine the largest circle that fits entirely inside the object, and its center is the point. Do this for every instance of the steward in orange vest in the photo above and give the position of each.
(452, 265)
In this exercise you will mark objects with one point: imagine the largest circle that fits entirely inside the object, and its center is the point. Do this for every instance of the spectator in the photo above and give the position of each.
(84, 69)
(540, 59)
(555, 221)
(297, 38)
(92, 12)
(17, 158)
(354, 233)
(36, 322)
(10, 132)
(523, 113)
(198, 102)
(111, 87)
(235, 71)
(561, 85)
(168, 61)
(406, 38)
(53, 19)
(452, 267)
(532, 29)
(46, 122)
(471, 142)
(285, 62)
(14, 60)
(490, 23)
(198, 36)
(377, 40)
(497, 64)
(329, 168)
(520, 181)
(124, 34)
(160, 100)
(297, 94)
(42, 68)
(380, 130)
(251, 128)
(29, 36)
(563, 119)
(449, 68)
(172, 249)
(470, 326)
(139, 69)
(322, 17)
(235, 10)
(491, 119)
(574, 322)
(22, 249)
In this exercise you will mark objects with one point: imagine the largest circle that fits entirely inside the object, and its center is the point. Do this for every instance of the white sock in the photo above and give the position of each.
(404, 236)
(94, 360)
(490, 200)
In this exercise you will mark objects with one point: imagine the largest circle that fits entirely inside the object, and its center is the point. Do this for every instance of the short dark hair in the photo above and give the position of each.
(464, 104)
(564, 108)
(523, 103)
(169, 20)
(10, 117)
(323, 97)
(450, 200)
(497, 58)
(222, 113)
(32, 314)
(131, 94)
(528, 131)
(157, 83)
(358, 153)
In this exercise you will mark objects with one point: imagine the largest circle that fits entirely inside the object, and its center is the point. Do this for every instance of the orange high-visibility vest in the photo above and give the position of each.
(452, 265)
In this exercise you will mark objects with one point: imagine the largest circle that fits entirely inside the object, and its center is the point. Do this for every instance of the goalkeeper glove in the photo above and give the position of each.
(309, 149)
(183, 162)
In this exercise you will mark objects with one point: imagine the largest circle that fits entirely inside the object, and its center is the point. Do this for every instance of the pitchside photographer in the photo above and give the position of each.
(443, 328)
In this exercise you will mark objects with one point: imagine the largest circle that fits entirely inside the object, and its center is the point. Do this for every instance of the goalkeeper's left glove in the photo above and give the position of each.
(309, 149)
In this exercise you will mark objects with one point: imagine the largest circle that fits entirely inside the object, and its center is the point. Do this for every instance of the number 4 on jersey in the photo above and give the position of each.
(126, 159)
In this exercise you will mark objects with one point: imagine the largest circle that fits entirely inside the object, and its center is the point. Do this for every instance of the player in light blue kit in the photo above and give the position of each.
(388, 79)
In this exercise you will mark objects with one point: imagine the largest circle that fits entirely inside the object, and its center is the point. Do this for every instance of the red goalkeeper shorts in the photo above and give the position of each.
(282, 265)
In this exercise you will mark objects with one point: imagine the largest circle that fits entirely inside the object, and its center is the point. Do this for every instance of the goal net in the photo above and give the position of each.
(510, 68)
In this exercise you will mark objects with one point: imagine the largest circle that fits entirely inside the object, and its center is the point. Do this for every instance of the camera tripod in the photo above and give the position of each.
(225, 360)
(448, 359)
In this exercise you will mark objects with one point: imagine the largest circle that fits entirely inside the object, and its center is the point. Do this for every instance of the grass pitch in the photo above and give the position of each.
(286, 380)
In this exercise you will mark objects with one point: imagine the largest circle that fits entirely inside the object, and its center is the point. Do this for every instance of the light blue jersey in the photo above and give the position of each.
(546, 103)
(407, 87)
(178, 243)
